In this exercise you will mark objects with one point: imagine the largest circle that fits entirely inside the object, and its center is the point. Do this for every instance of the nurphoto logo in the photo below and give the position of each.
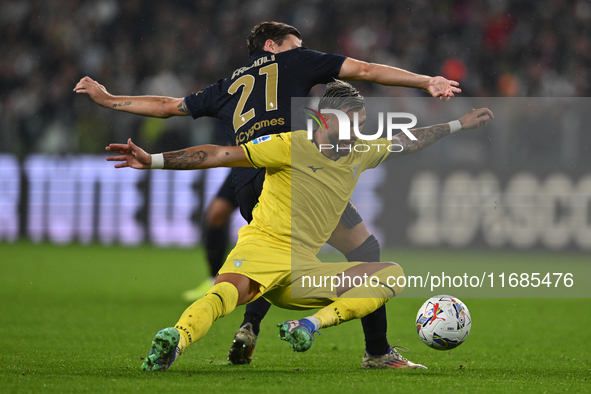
(345, 125)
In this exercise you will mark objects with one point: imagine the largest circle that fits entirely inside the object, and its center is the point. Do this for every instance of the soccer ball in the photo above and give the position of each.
(443, 322)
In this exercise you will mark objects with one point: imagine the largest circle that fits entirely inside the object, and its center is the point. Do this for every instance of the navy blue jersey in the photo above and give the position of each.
(256, 100)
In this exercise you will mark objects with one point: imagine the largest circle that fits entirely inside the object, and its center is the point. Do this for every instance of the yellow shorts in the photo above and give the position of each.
(276, 265)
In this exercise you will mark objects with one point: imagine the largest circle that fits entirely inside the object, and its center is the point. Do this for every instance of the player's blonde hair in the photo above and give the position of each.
(340, 94)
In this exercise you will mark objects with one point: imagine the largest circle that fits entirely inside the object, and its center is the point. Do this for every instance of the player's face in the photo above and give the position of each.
(289, 42)
(344, 146)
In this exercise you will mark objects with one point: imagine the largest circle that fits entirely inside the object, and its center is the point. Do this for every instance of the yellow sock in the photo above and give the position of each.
(347, 307)
(198, 318)
(327, 317)
(183, 342)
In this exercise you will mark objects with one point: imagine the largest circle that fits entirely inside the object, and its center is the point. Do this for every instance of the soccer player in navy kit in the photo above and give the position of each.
(255, 101)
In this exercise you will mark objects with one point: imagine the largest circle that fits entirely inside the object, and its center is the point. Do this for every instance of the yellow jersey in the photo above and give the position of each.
(305, 192)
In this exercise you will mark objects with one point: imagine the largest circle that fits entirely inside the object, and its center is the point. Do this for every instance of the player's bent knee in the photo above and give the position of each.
(369, 250)
(388, 267)
(382, 280)
(392, 277)
(247, 288)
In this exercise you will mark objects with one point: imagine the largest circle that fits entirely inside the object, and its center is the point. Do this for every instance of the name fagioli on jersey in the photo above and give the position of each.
(257, 63)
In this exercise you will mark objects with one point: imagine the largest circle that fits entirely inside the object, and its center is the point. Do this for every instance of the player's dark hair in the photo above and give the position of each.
(275, 31)
(340, 94)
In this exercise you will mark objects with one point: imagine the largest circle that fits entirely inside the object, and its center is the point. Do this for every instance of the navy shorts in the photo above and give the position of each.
(226, 192)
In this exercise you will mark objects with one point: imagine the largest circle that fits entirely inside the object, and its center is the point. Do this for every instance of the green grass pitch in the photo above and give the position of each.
(79, 319)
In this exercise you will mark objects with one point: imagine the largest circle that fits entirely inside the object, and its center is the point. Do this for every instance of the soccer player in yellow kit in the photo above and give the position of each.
(308, 182)
(256, 101)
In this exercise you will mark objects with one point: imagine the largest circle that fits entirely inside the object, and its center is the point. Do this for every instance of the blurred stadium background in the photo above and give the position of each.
(54, 184)
(78, 316)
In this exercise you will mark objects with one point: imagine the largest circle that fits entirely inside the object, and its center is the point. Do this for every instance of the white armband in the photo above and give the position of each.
(157, 161)
(454, 125)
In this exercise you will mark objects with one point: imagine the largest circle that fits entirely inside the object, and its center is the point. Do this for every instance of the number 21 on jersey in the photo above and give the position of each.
(241, 117)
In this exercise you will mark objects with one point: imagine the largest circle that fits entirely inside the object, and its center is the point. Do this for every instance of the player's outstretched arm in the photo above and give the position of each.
(155, 106)
(426, 136)
(195, 158)
(357, 70)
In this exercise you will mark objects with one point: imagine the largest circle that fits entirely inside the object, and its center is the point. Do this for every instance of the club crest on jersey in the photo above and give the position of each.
(238, 262)
(355, 168)
(261, 139)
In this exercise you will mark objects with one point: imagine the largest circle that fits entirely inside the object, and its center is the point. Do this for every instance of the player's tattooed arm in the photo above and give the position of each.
(206, 156)
(122, 104)
(183, 107)
(195, 158)
(155, 106)
(428, 135)
(185, 159)
(425, 136)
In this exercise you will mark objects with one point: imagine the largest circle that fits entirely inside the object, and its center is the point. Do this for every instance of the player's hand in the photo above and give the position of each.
(95, 90)
(131, 155)
(443, 88)
(475, 118)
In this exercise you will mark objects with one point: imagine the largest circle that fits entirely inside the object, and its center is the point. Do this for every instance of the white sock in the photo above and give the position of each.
(316, 322)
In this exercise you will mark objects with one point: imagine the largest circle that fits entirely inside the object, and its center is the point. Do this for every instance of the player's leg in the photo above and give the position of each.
(217, 233)
(356, 302)
(350, 303)
(244, 341)
(353, 239)
(229, 290)
(217, 236)
(344, 309)
(346, 299)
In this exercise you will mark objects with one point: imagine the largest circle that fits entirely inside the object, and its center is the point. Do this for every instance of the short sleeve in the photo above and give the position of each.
(319, 67)
(205, 102)
(378, 151)
(269, 150)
